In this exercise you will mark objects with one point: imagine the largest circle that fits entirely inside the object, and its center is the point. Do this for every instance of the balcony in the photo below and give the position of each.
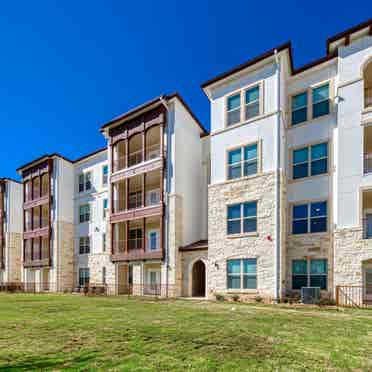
(143, 148)
(367, 77)
(138, 239)
(36, 252)
(36, 191)
(137, 196)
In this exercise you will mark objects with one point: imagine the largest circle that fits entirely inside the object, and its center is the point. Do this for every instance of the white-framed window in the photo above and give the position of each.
(243, 105)
(309, 273)
(104, 242)
(242, 273)
(85, 181)
(84, 245)
(153, 197)
(310, 161)
(153, 240)
(84, 213)
(83, 277)
(309, 217)
(104, 175)
(242, 218)
(312, 103)
(105, 208)
(299, 108)
(242, 161)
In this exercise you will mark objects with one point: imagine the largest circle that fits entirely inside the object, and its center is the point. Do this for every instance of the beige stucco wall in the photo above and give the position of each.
(64, 254)
(188, 259)
(13, 256)
(260, 246)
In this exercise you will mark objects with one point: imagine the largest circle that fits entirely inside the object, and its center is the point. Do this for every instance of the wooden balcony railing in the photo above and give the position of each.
(136, 157)
(132, 249)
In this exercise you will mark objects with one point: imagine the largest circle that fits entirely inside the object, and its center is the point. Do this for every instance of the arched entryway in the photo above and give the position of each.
(198, 279)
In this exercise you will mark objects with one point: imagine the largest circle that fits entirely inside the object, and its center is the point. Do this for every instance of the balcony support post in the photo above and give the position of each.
(143, 145)
(126, 160)
(143, 190)
(126, 226)
(126, 206)
(143, 234)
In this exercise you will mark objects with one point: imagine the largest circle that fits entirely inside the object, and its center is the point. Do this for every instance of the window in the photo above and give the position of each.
(252, 102)
(104, 175)
(321, 101)
(233, 109)
(84, 245)
(309, 273)
(242, 161)
(310, 217)
(249, 99)
(312, 160)
(84, 213)
(242, 218)
(105, 207)
(299, 108)
(242, 274)
(153, 197)
(85, 181)
(104, 242)
(153, 240)
(103, 275)
(83, 277)
(320, 104)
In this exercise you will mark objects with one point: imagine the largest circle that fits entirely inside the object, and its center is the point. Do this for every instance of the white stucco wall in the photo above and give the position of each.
(349, 157)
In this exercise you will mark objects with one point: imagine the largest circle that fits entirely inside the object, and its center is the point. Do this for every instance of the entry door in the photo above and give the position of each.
(153, 280)
(368, 283)
(369, 225)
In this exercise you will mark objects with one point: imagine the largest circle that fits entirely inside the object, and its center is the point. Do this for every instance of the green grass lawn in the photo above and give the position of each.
(55, 332)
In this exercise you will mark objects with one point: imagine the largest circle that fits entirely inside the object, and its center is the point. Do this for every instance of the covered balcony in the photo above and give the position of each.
(367, 149)
(137, 239)
(37, 218)
(367, 214)
(139, 148)
(137, 192)
(36, 252)
(37, 188)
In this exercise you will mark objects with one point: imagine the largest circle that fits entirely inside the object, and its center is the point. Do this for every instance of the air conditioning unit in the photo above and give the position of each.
(310, 295)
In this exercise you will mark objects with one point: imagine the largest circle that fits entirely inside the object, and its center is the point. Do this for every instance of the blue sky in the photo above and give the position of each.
(67, 67)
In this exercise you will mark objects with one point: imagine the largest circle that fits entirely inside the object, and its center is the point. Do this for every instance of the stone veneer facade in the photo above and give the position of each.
(13, 257)
(260, 245)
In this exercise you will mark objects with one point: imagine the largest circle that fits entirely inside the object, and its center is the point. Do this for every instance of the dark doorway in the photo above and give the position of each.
(198, 279)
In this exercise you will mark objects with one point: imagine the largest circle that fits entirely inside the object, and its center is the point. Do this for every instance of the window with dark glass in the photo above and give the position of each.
(105, 174)
(84, 213)
(85, 181)
(299, 108)
(233, 109)
(312, 160)
(242, 161)
(242, 218)
(309, 218)
(84, 245)
(83, 277)
(105, 207)
(252, 102)
(309, 273)
(320, 97)
(242, 273)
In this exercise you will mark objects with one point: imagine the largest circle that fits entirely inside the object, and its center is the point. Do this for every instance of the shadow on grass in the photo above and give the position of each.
(51, 362)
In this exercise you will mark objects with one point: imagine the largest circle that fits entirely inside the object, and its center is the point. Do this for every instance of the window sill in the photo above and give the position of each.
(367, 110)
(309, 122)
(318, 234)
(242, 291)
(245, 235)
(297, 180)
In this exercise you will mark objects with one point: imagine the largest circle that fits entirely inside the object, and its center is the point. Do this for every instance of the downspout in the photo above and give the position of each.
(277, 185)
(166, 198)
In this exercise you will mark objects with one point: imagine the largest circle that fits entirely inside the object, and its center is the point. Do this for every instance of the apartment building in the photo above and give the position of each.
(10, 231)
(158, 164)
(48, 224)
(91, 207)
(289, 200)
